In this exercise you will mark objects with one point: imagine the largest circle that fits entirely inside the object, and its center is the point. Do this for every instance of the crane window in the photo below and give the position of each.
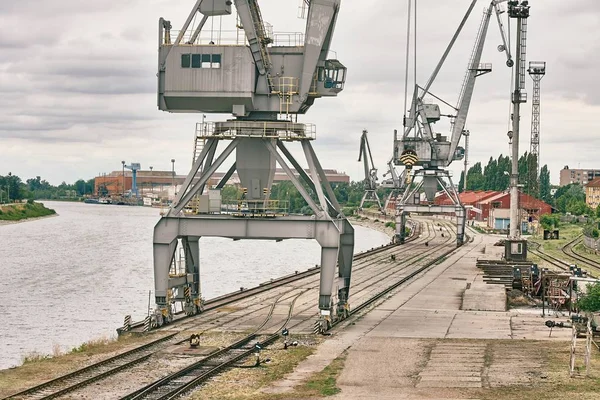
(185, 60)
(201, 61)
(196, 61)
(206, 60)
(333, 74)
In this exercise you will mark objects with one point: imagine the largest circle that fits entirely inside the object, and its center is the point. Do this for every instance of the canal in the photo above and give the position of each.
(71, 278)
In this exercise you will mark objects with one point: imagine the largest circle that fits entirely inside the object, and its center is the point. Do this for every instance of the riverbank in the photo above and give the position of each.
(373, 223)
(22, 212)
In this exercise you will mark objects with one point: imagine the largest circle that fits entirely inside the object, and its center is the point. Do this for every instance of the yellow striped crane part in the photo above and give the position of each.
(408, 158)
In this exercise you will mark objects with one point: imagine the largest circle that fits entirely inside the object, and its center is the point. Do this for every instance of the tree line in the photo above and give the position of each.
(495, 175)
(13, 188)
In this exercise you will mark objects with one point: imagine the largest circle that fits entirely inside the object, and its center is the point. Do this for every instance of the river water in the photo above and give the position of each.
(68, 279)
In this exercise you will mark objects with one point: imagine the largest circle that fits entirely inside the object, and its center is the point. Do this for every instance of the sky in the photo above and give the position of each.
(78, 83)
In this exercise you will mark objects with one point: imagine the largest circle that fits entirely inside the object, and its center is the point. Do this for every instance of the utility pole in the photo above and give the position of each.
(123, 179)
(466, 133)
(173, 176)
(520, 11)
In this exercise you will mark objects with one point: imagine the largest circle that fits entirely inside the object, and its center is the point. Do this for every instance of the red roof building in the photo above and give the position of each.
(480, 203)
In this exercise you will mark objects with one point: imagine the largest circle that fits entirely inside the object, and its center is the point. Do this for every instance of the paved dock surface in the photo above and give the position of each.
(447, 330)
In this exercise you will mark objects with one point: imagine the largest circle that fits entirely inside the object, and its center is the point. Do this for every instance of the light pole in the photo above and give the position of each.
(173, 175)
(123, 179)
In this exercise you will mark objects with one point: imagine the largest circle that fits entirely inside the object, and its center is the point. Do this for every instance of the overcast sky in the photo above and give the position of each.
(78, 82)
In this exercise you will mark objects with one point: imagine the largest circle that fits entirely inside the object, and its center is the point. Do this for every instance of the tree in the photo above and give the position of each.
(461, 182)
(532, 185)
(545, 185)
(590, 301)
(549, 221)
(490, 174)
(571, 198)
(475, 178)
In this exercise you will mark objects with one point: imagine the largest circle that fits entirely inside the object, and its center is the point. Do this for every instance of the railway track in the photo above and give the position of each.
(92, 373)
(569, 250)
(95, 372)
(558, 263)
(180, 382)
(229, 298)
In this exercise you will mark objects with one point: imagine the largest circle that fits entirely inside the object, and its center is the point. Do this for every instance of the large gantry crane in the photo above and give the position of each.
(364, 154)
(264, 85)
(420, 146)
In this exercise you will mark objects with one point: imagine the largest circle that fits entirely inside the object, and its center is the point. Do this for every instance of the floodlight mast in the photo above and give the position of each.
(420, 146)
(263, 84)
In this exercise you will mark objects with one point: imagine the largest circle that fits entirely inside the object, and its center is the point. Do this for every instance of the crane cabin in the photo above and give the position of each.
(262, 75)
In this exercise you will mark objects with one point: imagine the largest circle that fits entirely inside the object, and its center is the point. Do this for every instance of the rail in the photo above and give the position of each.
(213, 304)
(85, 376)
(203, 369)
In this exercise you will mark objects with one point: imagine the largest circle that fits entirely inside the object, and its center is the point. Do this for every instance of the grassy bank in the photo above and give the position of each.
(17, 212)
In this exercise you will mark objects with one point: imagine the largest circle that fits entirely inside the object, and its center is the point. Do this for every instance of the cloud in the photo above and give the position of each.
(78, 82)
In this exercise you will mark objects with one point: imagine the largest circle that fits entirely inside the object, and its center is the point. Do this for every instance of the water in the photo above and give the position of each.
(68, 279)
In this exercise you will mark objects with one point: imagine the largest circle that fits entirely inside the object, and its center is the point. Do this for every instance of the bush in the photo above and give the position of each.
(590, 302)
(348, 211)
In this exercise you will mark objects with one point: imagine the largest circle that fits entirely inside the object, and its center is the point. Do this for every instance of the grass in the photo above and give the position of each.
(324, 383)
(581, 249)
(38, 367)
(17, 212)
(568, 232)
(247, 383)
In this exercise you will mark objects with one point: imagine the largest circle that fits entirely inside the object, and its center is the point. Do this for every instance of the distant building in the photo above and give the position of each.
(581, 176)
(592, 193)
(493, 207)
(160, 183)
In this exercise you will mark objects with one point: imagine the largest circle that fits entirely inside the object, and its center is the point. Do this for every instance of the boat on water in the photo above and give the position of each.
(100, 200)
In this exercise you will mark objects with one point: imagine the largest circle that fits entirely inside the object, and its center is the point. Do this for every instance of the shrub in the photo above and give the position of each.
(348, 210)
(590, 302)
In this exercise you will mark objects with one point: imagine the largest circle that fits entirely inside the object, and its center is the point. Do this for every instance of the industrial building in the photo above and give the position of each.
(581, 176)
(493, 207)
(163, 184)
(592, 193)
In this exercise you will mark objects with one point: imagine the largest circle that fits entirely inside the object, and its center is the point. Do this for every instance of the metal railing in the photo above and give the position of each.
(256, 208)
(219, 38)
(276, 129)
(288, 39)
(233, 37)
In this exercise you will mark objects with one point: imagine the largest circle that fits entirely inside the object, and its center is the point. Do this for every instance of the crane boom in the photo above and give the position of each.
(474, 70)
(320, 24)
(254, 27)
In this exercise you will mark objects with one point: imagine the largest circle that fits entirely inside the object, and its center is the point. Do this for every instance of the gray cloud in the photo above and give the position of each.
(77, 83)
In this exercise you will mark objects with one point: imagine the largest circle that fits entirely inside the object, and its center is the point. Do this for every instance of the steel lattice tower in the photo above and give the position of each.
(537, 70)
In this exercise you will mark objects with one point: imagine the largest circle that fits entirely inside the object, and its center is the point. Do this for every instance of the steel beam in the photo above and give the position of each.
(314, 207)
(206, 174)
(307, 179)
